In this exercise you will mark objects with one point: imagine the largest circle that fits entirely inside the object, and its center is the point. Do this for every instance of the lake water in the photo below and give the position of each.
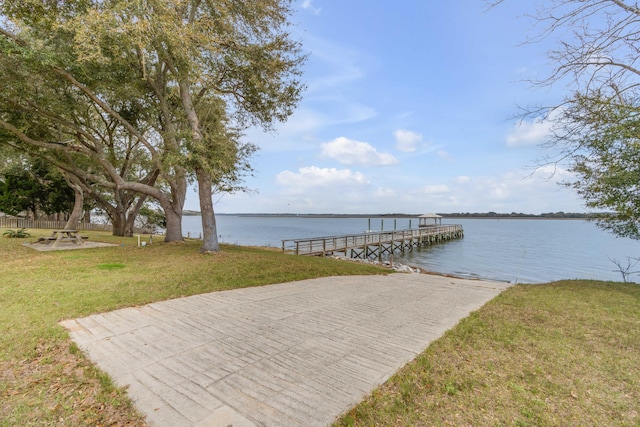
(513, 250)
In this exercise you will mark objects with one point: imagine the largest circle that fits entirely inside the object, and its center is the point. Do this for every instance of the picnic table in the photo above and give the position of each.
(58, 236)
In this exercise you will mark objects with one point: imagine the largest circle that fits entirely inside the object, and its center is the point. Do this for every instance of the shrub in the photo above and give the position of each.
(19, 234)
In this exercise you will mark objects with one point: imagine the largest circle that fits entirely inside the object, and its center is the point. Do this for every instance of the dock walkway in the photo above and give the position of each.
(373, 244)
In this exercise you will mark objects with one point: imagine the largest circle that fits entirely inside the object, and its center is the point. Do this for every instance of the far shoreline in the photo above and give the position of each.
(548, 216)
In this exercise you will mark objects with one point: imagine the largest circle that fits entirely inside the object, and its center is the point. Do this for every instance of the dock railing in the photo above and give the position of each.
(406, 238)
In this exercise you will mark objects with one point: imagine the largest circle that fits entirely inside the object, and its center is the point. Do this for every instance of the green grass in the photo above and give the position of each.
(564, 353)
(44, 379)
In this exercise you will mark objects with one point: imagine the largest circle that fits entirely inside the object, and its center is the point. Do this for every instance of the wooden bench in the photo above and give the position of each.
(44, 239)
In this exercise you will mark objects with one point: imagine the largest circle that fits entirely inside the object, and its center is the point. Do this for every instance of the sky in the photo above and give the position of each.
(411, 106)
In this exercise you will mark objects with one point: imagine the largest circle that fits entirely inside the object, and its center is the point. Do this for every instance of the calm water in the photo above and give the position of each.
(523, 251)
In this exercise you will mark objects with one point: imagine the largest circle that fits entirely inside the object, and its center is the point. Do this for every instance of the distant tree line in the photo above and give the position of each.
(550, 215)
(554, 215)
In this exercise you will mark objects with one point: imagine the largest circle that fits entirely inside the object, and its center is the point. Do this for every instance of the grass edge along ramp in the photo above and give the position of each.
(563, 353)
(44, 378)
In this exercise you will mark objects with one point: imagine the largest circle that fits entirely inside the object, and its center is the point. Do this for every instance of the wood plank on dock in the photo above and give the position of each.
(380, 243)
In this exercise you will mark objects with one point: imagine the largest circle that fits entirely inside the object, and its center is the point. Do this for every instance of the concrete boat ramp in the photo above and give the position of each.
(291, 354)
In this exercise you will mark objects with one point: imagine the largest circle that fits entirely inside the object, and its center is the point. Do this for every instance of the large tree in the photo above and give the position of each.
(197, 72)
(123, 152)
(604, 135)
(595, 128)
(90, 129)
(35, 187)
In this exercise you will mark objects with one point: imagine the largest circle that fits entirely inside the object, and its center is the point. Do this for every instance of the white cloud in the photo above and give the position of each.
(331, 71)
(311, 118)
(313, 176)
(553, 172)
(333, 65)
(323, 190)
(406, 140)
(445, 155)
(303, 120)
(436, 189)
(353, 112)
(516, 191)
(384, 192)
(307, 4)
(335, 190)
(351, 152)
(301, 131)
(500, 191)
(529, 133)
(533, 132)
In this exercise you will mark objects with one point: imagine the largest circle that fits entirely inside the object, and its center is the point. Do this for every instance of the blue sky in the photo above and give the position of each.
(410, 108)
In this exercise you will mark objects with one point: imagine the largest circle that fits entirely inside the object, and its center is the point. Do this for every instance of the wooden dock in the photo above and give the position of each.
(373, 244)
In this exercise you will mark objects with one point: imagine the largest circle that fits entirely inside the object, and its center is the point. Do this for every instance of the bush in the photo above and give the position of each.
(19, 234)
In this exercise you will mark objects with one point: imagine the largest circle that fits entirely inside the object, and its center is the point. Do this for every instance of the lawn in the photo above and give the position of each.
(564, 353)
(44, 379)
(557, 354)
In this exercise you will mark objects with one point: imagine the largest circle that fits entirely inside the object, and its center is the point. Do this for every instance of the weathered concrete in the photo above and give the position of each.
(292, 354)
(67, 246)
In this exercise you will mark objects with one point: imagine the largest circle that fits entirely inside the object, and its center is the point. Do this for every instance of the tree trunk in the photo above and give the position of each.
(128, 225)
(209, 229)
(174, 225)
(205, 184)
(172, 208)
(76, 214)
(121, 224)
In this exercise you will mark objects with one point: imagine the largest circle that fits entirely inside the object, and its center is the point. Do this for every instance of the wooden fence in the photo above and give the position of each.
(17, 223)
